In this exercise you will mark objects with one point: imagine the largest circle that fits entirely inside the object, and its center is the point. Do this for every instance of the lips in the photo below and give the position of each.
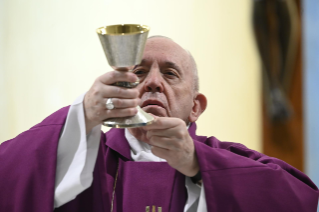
(154, 102)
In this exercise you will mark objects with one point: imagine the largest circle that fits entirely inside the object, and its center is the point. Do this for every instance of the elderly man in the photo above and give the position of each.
(67, 164)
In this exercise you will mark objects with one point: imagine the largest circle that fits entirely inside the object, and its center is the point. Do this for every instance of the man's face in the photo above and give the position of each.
(166, 79)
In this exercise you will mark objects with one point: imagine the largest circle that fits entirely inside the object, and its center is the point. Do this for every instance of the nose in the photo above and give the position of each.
(154, 81)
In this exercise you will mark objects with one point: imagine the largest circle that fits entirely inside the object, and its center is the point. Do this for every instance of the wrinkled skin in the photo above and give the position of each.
(166, 90)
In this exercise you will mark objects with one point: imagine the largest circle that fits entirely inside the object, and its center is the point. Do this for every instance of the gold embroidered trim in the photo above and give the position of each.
(114, 186)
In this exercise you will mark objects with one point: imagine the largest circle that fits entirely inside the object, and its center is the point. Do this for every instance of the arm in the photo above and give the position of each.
(28, 165)
(76, 155)
(29, 161)
(239, 179)
(79, 142)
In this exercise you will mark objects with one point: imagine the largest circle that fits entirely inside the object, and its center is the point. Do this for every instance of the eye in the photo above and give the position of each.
(139, 72)
(171, 73)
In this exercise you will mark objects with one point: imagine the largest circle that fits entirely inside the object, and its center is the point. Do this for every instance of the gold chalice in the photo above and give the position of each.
(123, 46)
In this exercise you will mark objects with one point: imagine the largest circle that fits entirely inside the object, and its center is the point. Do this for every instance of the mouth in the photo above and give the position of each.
(152, 103)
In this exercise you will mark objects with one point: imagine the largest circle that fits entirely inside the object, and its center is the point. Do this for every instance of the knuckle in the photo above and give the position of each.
(160, 122)
(127, 75)
(132, 77)
(119, 91)
(180, 122)
(109, 113)
(132, 111)
(95, 102)
(181, 132)
(136, 102)
(95, 91)
(118, 103)
(112, 74)
(97, 114)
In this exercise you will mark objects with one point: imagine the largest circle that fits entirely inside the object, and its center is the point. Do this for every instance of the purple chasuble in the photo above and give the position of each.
(142, 184)
(139, 184)
(235, 177)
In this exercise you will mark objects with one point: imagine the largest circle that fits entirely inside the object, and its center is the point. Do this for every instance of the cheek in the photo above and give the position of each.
(182, 102)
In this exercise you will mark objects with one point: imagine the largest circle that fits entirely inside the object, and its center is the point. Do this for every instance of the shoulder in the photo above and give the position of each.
(236, 148)
(204, 142)
(51, 125)
(56, 118)
(214, 142)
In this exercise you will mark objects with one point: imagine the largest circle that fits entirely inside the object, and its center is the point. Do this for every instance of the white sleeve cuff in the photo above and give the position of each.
(76, 157)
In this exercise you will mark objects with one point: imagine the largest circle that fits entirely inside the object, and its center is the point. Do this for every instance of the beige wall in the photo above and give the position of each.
(50, 54)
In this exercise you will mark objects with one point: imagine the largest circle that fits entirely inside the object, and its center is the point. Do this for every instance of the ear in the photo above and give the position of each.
(199, 105)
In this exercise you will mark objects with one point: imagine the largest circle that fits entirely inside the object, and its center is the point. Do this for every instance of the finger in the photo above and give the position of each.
(179, 131)
(109, 91)
(117, 76)
(115, 113)
(123, 103)
(160, 152)
(162, 123)
(163, 142)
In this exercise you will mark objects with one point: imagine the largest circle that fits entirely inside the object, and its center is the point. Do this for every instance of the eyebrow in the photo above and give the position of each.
(173, 65)
(143, 61)
(166, 63)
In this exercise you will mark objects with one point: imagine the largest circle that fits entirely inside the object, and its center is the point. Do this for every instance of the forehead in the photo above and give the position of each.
(165, 50)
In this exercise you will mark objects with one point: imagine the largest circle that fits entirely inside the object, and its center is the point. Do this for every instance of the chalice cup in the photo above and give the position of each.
(123, 46)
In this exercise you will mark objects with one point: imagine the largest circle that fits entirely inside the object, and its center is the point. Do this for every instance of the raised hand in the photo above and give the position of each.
(124, 100)
(171, 141)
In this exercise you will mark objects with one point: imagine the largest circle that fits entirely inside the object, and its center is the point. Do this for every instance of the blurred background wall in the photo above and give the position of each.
(311, 87)
(50, 54)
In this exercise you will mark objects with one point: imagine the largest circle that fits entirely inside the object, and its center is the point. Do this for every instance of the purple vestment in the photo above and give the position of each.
(235, 178)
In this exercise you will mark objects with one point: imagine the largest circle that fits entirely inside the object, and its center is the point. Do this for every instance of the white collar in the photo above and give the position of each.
(140, 151)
